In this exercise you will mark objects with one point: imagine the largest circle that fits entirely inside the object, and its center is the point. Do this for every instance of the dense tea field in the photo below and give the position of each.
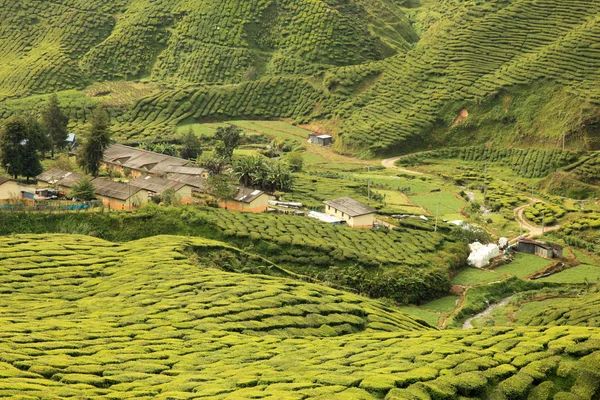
(85, 318)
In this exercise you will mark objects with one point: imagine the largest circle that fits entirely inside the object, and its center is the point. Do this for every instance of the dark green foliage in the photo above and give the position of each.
(97, 139)
(83, 190)
(228, 139)
(220, 188)
(191, 146)
(55, 124)
(20, 141)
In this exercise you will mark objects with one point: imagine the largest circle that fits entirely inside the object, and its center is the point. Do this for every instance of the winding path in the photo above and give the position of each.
(534, 230)
(390, 163)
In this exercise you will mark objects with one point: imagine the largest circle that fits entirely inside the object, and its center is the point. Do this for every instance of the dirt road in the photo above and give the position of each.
(389, 163)
(533, 229)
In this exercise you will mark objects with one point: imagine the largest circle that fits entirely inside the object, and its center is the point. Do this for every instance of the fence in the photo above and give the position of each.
(24, 205)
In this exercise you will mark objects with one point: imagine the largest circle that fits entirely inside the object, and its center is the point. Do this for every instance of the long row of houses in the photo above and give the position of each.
(150, 174)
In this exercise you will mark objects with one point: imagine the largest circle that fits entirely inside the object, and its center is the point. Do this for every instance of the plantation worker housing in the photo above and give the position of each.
(157, 186)
(116, 195)
(134, 162)
(11, 189)
(248, 200)
(355, 213)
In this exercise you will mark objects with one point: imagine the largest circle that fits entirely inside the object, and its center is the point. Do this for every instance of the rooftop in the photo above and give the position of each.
(247, 195)
(138, 159)
(175, 169)
(543, 245)
(156, 185)
(115, 190)
(190, 180)
(55, 176)
(350, 206)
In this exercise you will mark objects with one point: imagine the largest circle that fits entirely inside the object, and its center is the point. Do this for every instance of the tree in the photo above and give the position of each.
(245, 168)
(12, 139)
(83, 190)
(229, 138)
(220, 189)
(295, 161)
(55, 124)
(213, 164)
(96, 142)
(192, 146)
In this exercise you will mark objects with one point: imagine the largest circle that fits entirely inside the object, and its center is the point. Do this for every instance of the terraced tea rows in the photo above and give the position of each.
(371, 247)
(86, 318)
(476, 51)
(528, 163)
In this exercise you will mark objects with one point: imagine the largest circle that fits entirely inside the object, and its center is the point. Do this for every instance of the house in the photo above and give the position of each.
(61, 180)
(249, 200)
(191, 171)
(197, 183)
(321, 140)
(540, 249)
(118, 195)
(137, 162)
(155, 185)
(12, 190)
(356, 214)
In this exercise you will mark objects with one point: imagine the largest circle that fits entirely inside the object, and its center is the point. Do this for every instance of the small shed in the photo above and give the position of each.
(540, 249)
(321, 140)
(71, 140)
(248, 200)
(355, 213)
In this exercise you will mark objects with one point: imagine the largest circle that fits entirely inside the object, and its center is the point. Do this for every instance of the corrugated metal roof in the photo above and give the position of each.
(156, 185)
(247, 195)
(350, 206)
(190, 180)
(184, 170)
(138, 159)
(115, 190)
(52, 175)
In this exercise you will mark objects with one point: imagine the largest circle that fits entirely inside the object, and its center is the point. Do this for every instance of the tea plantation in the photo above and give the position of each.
(385, 76)
(86, 318)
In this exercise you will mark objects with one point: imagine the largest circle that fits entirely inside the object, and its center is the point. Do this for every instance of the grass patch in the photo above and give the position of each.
(524, 265)
(473, 276)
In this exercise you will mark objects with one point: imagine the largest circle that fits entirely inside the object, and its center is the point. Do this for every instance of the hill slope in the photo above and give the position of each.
(522, 70)
(87, 318)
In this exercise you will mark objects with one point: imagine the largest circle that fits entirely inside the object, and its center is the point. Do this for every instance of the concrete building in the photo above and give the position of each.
(61, 180)
(321, 140)
(540, 249)
(12, 190)
(248, 200)
(155, 185)
(137, 162)
(197, 183)
(118, 195)
(356, 214)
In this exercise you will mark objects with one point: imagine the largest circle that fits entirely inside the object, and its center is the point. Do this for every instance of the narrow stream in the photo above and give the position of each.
(468, 323)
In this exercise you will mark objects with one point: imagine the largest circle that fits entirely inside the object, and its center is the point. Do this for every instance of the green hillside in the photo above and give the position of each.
(386, 76)
(86, 318)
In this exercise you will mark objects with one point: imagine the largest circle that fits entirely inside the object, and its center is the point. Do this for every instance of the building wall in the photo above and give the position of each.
(186, 194)
(363, 221)
(133, 173)
(137, 200)
(260, 204)
(11, 190)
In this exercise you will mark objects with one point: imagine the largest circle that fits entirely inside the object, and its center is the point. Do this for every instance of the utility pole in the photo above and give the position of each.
(369, 185)
(532, 196)
(437, 213)
(543, 220)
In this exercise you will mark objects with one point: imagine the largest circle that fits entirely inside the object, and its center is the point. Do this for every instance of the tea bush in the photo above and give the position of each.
(146, 319)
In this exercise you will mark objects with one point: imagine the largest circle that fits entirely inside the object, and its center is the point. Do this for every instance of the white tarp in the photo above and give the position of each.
(503, 243)
(481, 254)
